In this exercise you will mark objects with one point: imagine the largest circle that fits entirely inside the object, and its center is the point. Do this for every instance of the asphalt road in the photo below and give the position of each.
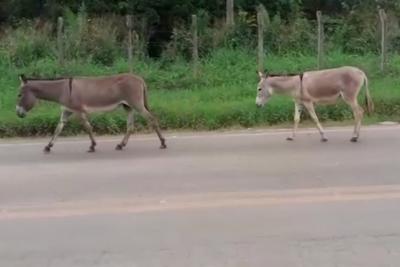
(244, 198)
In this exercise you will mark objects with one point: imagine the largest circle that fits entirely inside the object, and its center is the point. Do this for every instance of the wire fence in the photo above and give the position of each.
(131, 37)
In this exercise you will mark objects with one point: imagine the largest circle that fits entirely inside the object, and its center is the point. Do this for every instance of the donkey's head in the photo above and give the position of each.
(26, 98)
(264, 90)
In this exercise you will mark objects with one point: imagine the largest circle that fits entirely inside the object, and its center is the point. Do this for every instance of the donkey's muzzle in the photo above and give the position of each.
(260, 105)
(259, 102)
(20, 112)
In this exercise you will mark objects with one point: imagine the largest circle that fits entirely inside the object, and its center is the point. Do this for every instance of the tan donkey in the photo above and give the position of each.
(84, 95)
(313, 87)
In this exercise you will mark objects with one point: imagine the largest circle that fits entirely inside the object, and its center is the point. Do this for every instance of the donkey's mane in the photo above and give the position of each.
(45, 79)
(282, 74)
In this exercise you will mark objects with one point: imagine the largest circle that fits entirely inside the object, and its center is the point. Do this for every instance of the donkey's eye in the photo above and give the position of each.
(19, 95)
(259, 89)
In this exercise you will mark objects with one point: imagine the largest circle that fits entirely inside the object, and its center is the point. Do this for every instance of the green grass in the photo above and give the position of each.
(222, 96)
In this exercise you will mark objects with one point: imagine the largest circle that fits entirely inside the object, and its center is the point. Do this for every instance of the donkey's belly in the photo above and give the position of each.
(327, 101)
(103, 108)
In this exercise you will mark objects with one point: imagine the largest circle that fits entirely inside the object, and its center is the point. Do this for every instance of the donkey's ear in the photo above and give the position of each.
(22, 78)
(261, 74)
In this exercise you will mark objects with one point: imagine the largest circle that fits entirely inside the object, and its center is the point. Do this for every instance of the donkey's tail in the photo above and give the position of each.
(146, 103)
(368, 100)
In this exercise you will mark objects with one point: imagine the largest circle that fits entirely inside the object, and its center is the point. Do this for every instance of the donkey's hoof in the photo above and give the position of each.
(47, 149)
(354, 139)
(163, 146)
(119, 147)
(91, 150)
(324, 140)
(290, 139)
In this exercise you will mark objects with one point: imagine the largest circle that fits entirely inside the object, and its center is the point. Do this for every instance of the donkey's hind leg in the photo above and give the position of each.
(89, 130)
(129, 130)
(152, 120)
(63, 119)
(358, 113)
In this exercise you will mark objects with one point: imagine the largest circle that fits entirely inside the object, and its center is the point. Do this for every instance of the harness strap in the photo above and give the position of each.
(70, 86)
(301, 85)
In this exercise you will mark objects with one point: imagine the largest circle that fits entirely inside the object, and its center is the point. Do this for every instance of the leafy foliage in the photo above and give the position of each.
(223, 95)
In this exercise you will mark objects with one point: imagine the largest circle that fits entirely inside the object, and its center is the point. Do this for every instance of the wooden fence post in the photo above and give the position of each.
(383, 17)
(195, 53)
(174, 42)
(320, 39)
(260, 24)
(60, 40)
(129, 24)
(230, 21)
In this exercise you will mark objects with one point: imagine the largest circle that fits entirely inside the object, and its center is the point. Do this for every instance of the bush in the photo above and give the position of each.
(223, 93)
(28, 43)
(294, 37)
(223, 96)
(242, 35)
(356, 34)
(97, 40)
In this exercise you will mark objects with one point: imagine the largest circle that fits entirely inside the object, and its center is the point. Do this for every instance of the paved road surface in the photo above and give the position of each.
(245, 198)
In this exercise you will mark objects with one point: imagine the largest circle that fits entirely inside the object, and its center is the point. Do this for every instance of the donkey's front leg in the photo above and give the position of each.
(310, 108)
(63, 120)
(89, 130)
(297, 113)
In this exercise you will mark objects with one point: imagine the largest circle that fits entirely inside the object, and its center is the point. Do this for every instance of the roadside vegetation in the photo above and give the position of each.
(221, 95)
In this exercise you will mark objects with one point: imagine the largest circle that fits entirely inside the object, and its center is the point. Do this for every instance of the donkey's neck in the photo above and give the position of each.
(49, 90)
(285, 85)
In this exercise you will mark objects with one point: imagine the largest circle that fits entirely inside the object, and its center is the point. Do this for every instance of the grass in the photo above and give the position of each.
(222, 96)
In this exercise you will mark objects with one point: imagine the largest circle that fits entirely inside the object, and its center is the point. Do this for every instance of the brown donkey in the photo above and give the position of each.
(84, 95)
(313, 87)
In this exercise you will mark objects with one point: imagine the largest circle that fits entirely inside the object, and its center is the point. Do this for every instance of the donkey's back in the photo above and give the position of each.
(342, 76)
(328, 84)
(107, 92)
